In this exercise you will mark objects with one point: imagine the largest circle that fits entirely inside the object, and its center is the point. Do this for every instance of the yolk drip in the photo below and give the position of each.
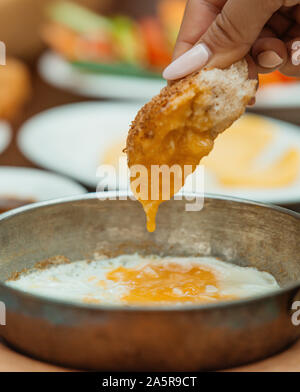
(178, 134)
(168, 283)
(167, 168)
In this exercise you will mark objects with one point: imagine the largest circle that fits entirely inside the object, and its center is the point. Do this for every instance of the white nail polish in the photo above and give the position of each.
(192, 60)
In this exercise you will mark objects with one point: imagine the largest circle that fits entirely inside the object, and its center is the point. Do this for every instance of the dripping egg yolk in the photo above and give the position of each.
(167, 283)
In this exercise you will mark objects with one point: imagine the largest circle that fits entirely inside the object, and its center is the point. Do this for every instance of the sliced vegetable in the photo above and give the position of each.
(170, 13)
(158, 52)
(61, 40)
(288, 79)
(97, 50)
(116, 69)
(81, 35)
(128, 44)
(275, 77)
(77, 18)
(270, 78)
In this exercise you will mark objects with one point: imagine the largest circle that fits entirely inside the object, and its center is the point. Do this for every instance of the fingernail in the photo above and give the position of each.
(192, 60)
(269, 59)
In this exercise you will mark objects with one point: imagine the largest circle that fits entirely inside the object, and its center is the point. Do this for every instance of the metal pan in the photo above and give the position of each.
(194, 337)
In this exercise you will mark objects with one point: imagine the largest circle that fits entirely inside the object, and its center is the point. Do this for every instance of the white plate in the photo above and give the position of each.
(72, 139)
(5, 135)
(286, 136)
(285, 95)
(36, 184)
(58, 72)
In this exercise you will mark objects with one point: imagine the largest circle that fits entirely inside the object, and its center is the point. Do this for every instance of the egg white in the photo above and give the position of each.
(78, 280)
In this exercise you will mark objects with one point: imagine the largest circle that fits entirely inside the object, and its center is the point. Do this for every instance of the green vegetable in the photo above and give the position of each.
(126, 39)
(78, 18)
(116, 69)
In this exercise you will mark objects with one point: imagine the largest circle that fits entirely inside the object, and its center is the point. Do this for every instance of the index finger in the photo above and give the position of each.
(198, 16)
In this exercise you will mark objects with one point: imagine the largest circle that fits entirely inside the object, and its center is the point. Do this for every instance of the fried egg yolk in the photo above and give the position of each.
(168, 283)
(151, 280)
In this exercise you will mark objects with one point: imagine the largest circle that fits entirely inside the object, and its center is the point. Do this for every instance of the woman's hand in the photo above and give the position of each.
(218, 33)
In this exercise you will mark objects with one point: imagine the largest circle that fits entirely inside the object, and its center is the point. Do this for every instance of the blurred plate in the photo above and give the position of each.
(5, 135)
(286, 136)
(22, 182)
(59, 73)
(285, 95)
(72, 139)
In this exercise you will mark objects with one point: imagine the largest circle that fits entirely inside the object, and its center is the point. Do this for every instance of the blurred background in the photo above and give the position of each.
(76, 74)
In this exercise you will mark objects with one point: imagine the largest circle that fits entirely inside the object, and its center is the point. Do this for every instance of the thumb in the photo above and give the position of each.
(228, 39)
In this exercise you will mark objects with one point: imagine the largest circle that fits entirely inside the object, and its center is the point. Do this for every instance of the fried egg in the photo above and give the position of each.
(147, 280)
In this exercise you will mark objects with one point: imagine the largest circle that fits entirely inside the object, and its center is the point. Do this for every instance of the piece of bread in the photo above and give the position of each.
(178, 126)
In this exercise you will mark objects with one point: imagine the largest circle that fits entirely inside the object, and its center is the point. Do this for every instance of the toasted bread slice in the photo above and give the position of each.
(178, 127)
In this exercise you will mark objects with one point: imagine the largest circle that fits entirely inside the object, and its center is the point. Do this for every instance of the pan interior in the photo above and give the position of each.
(237, 232)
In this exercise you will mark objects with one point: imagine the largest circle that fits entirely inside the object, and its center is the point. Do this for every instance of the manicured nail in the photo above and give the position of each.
(269, 59)
(192, 60)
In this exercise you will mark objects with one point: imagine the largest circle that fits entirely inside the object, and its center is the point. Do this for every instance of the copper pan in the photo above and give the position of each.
(213, 336)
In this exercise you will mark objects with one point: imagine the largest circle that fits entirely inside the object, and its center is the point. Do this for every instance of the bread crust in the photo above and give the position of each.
(149, 118)
(177, 128)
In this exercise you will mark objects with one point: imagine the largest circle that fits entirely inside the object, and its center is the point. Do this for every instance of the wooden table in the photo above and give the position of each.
(287, 361)
(45, 97)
